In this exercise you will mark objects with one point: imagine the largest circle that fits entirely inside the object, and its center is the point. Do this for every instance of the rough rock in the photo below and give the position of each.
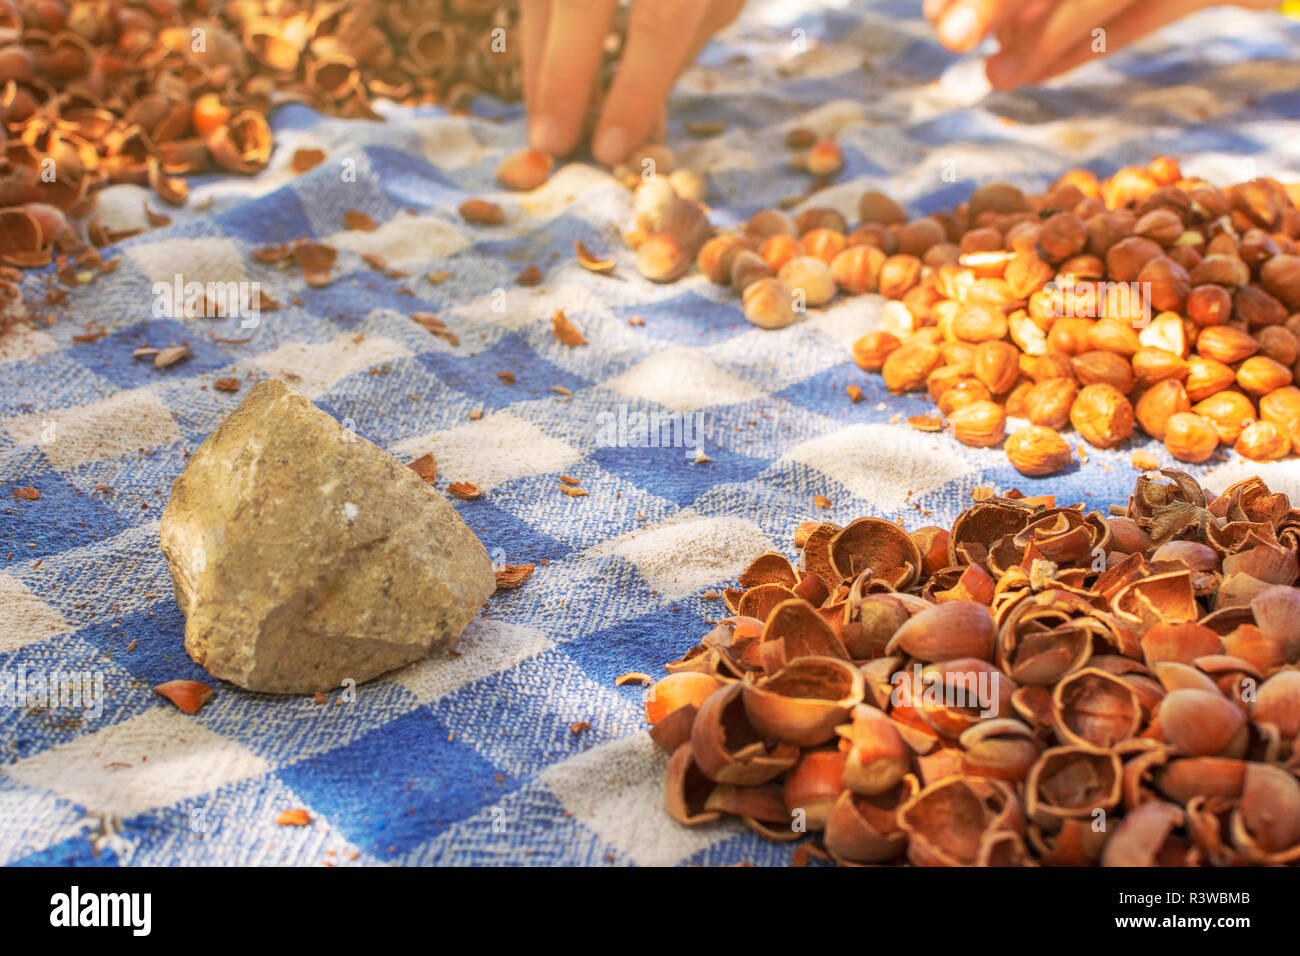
(304, 555)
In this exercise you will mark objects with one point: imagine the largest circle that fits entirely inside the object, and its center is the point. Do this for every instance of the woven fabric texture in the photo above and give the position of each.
(471, 758)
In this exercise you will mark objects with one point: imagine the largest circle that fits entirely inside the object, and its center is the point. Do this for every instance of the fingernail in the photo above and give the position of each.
(544, 133)
(611, 145)
(959, 30)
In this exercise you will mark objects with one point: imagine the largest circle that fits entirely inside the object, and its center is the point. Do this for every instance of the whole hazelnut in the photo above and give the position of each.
(1026, 274)
(1278, 343)
(997, 365)
(1206, 377)
(919, 300)
(662, 258)
(769, 222)
(1126, 258)
(777, 250)
(872, 349)
(940, 254)
(1102, 415)
(1209, 305)
(960, 393)
(1158, 403)
(1112, 335)
(685, 220)
(1262, 441)
(1226, 344)
(941, 379)
(979, 322)
(1159, 225)
(820, 217)
(960, 355)
(1190, 437)
(747, 267)
(1061, 237)
(823, 243)
(1016, 402)
(718, 254)
(1166, 284)
(898, 274)
(906, 368)
(1093, 367)
(769, 304)
(1052, 365)
(1152, 364)
(1106, 229)
(1281, 407)
(1280, 277)
(1259, 375)
(919, 235)
(1050, 401)
(996, 198)
(985, 239)
(1255, 308)
(877, 207)
(1257, 247)
(1229, 411)
(1220, 269)
(981, 424)
(857, 269)
(874, 234)
(811, 276)
(1037, 451)
(1165, 171)
(1069, 336)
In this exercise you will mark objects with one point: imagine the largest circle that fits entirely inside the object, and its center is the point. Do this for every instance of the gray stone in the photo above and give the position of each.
(303, 555)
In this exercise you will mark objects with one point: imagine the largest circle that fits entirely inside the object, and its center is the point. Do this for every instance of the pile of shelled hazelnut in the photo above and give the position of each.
(1144, 298)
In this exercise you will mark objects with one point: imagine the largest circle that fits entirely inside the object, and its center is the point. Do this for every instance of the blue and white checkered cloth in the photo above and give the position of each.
(471, 758)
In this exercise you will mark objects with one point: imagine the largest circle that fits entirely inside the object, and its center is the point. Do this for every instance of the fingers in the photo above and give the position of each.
(534, 18)
(1044, 41)
(659, 35)
(566, 73)
(964, 23)
(1129, 26)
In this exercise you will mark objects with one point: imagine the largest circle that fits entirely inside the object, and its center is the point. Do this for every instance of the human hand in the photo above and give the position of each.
(563, 47)
(1039, 39)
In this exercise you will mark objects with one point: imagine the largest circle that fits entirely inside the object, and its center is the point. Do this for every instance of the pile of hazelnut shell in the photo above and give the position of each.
(1037, 685)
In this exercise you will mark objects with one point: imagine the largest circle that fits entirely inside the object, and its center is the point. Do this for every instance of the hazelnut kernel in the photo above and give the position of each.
(1259, 375)
(1262, 441)
(1050, 401)
(1190, 437)
(1102, 415)
(768, 303)
(778, 250)
(1037, 451)
(981, 424)
(1229, 411)
(872, 349)
(811, 277)
(856, 269)
(661, 257)
(1162, 400)
(907, 367)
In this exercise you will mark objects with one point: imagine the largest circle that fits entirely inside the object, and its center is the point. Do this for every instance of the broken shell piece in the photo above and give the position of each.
(1071, 783)
(686, 789)
(802, 703)
(878, 759)
(678, 690)
(315, 259)
(727, 746)
(945, 631)
(481, 212)
(879, 546)
(813, 786)
(589, 261)
(187, 695)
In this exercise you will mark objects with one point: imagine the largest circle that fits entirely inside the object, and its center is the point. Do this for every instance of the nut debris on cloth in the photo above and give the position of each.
(470, 757)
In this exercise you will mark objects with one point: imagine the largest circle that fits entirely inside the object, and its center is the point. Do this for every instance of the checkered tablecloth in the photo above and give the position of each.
(470, 758)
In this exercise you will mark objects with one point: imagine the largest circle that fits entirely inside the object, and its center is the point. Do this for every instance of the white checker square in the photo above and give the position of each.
(883, 464)
(315, 369)
(486, 647)
(684, 380)
(27, 618)
(405, 241)
(121, 424)
(689, 552)
(210, 259)
(168, 758)
(491, 451)
(618, 791)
